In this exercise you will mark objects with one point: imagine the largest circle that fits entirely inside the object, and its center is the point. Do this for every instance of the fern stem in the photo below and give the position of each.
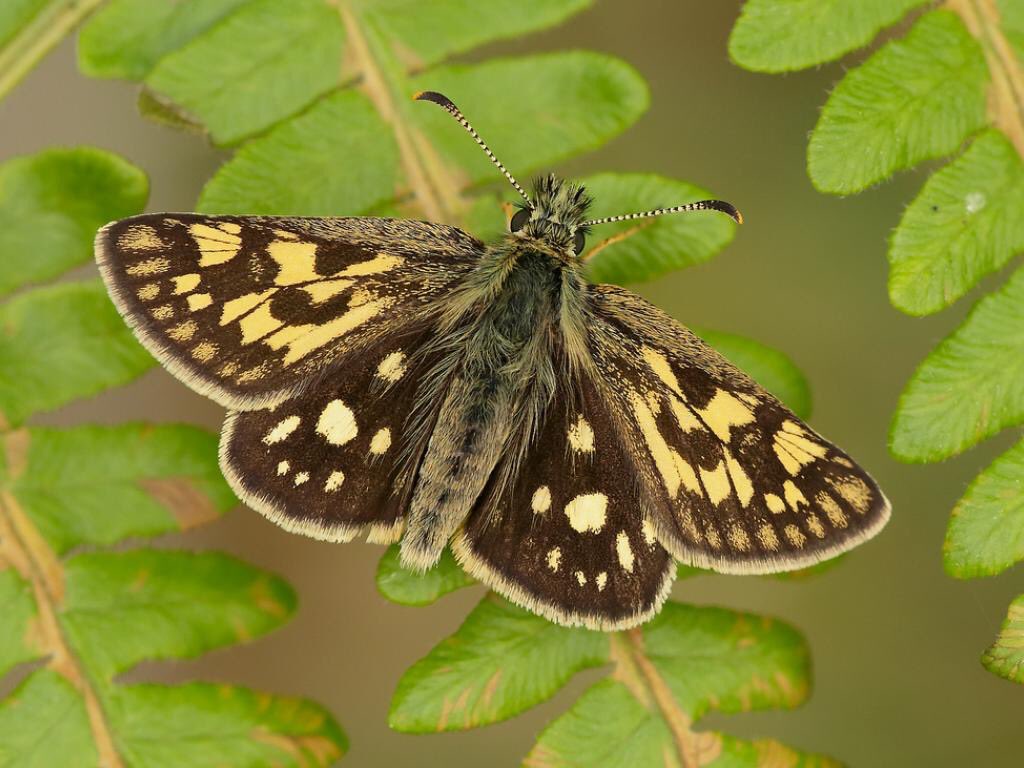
(27, 48)
(635, 670)
(1006, 103)
(24, 548)
(435, 191)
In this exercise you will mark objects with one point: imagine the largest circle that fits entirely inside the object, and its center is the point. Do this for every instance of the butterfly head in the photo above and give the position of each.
(555, 215)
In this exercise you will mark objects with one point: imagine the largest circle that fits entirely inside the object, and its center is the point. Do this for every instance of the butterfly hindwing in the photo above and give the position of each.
(737, 483)
(247, 310)
(564, 532)
(339, 459)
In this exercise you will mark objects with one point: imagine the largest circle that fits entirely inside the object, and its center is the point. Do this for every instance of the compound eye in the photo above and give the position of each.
(519, 220)
(579, 242)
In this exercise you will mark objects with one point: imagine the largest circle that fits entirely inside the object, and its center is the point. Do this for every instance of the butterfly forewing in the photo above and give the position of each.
(737, 483)
(249, 310)
(564, 531)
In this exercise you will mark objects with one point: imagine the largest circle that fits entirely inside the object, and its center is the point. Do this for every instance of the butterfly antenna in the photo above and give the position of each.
(703, 205)
(445, 103)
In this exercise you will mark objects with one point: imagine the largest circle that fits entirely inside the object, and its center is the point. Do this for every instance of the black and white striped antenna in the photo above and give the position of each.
(448, 105)
(703, 205)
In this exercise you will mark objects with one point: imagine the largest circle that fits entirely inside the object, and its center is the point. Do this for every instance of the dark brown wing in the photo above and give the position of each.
(249, 310)
(564, 532)
(736, 482)
(338, 460)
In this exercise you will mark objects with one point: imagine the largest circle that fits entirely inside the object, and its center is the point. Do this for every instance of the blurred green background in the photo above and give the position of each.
(895, 642)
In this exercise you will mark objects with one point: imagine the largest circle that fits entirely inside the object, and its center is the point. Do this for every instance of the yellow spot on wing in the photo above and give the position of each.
(164, 313)
(148, 267)
(794, 496)
(296, 262)
(381, 441)
(286, 335)
(800, 436)
(738, 538)
(183, 331)
(322, 291)
(185, 283)
(282, 429)
(624, 551)
(687, 475)
(814, 525)
(659, 364)
(724, 412)
(197, 301)
(392, 367)
(148, 292)
(330, 331)
(140, 238)
(554, 558)
(716, 482)
(258, 324)
(832, 509)
(648, 532)
(382, 262)
(660, 452)
(587, 512)
(794, 449)
(775, 504)
(204, 351)
(687, 421)
(766, 535)
(541, 501)
(795, 536)
(337, 423)
(334, 480)
(740, 480)
(237, 307)
(216, 244)
(854, 490)
(254, 373)
(581, 436)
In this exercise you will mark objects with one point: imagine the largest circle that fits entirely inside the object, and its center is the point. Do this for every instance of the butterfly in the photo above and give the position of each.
(403, 381)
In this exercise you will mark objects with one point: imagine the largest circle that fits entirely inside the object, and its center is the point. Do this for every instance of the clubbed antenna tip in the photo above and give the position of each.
(449, 106)
(726, 208)
(437, 98)
(703, 205)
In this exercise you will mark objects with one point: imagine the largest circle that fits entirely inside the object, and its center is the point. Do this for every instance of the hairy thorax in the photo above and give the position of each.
(504, 350)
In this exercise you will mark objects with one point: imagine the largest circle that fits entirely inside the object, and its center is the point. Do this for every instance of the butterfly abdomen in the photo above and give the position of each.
(505, 345)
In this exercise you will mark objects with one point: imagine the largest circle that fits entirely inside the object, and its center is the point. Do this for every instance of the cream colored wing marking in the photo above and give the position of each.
(249, 310)
(337, 460)
(564, 533)
(737, 483)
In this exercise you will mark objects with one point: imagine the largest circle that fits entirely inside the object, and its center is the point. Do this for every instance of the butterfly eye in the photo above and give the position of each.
(579, 242)
(519, 220)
